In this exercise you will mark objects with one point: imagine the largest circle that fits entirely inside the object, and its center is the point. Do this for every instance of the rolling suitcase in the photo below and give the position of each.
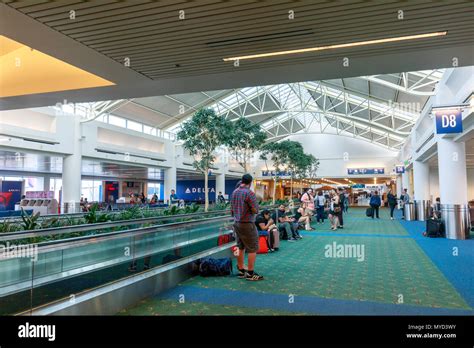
(262, 242)
(369, 212)
(262, 245)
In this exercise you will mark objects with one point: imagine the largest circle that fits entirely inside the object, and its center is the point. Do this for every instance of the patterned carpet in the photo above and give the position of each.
(391, 273)
(161, 306)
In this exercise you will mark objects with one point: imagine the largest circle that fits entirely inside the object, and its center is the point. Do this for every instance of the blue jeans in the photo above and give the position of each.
(288, 230)
(320, 213)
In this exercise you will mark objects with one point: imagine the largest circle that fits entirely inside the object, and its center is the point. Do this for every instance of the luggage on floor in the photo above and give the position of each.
(369, 212)
(282, 233)
(225, 238)
(274, 239)
(209, 267)
(434, 228)
(262, 242)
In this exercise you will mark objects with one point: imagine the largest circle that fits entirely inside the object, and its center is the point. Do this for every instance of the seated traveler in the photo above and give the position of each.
(264, 223)
(436, 214)
(303, 219)
(285, 224)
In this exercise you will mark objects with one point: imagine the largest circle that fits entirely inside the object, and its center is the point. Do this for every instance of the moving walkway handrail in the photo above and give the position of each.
(8, 236)
(63, 244)
(73, 215)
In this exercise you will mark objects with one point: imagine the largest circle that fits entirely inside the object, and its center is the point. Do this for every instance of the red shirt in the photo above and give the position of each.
(242, 202)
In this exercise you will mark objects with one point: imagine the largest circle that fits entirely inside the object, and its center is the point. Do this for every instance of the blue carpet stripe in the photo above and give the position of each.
(316, 234)
(302, 304)
(457, 269)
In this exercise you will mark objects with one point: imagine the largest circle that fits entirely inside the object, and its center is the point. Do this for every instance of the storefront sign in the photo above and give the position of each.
(193, 190)
(112, 191)
(10, 194)
(39, 194)
(448, 121)
(365, 171)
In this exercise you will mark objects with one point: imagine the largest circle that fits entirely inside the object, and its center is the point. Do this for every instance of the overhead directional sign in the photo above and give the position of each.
(448, 121)
(272, 173)
(364, 171)
(400, 169)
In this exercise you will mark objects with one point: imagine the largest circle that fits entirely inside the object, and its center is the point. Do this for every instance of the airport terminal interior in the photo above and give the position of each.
(126, 126)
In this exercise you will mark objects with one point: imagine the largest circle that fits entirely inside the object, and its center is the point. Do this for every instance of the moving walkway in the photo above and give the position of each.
(88, 274)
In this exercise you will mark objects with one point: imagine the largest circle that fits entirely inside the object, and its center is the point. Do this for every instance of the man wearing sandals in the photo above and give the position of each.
(244, 208)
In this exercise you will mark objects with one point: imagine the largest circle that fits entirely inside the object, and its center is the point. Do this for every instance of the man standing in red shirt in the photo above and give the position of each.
(244, 207)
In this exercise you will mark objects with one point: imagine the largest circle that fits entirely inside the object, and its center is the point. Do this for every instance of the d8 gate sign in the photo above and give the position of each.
(448, 121)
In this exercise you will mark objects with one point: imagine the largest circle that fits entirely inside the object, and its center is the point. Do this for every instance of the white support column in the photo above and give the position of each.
(220, 184)
(46, 182)
(421, 180)
(452, 172)
(406, 182)
(72, 167)
(421, 186)
(170, 183)
(399, 185)
(453, 187)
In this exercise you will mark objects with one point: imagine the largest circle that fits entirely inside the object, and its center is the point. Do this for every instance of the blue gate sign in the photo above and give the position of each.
(448, 121)
(399, 169)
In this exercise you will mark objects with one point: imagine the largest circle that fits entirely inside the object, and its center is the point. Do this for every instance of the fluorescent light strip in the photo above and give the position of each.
(352, 44)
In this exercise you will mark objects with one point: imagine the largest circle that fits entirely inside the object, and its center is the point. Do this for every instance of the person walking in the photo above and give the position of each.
(334, 209)
(346, 202)
(220, 198)
(243, 208)
(320, 202)
(308, 201)
(405, 201)
(375, 203)
(340, 213)
(392, 202)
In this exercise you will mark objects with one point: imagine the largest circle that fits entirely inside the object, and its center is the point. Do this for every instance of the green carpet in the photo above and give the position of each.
(392, 266)
(159, 306)
(358, 223)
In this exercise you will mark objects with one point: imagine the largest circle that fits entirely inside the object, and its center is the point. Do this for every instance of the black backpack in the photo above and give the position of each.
(209, 267)
(434, 228)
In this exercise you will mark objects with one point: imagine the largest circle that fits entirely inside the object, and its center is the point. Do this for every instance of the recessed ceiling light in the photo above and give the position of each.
(345, 45)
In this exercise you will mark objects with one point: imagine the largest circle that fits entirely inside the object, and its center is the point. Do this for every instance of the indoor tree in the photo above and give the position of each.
(297, 160)
(244, 139)
(310, 171)
(305, 166)
(201, 136)
(277, 152)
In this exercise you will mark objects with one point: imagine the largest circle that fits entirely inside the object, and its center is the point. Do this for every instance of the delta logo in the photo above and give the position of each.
(199, 190)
